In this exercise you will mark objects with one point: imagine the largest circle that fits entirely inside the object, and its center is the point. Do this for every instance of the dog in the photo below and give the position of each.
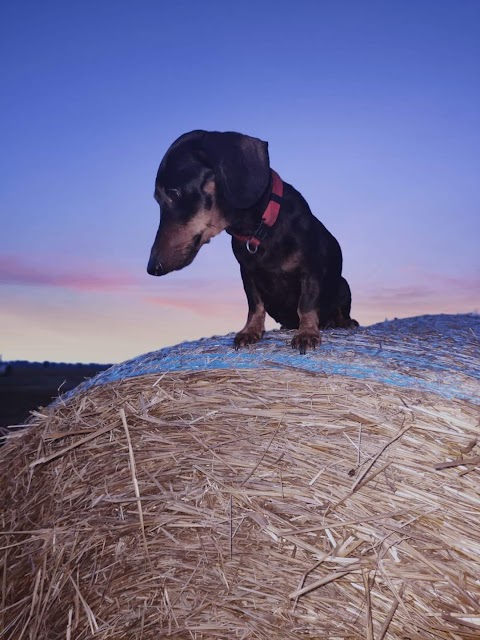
(291, 265)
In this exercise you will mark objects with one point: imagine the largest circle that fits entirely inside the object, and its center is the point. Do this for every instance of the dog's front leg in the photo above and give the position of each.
(308, 334)
(255, 326)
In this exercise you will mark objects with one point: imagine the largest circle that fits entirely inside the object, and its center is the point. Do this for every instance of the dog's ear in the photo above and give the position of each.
(241, 165)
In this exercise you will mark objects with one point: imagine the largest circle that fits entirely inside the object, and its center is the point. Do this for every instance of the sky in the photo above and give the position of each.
(371, 110)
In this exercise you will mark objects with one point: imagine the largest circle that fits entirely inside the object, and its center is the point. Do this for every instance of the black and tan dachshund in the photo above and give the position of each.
(291, 265)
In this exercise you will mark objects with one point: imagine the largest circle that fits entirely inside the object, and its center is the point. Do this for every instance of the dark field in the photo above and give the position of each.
(30, 385)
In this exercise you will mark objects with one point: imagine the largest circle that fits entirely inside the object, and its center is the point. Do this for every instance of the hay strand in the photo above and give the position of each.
(133, 471)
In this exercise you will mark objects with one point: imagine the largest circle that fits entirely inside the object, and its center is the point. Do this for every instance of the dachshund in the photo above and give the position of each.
(291, 265)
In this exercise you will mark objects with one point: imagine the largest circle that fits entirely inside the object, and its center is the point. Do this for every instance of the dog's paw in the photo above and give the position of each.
(304, 340)
(244, 338)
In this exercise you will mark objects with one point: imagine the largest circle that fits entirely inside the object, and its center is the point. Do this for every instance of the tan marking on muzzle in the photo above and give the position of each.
(176, 241)
(207, 223)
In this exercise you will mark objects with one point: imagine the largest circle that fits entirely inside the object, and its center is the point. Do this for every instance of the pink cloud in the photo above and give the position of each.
(470, 282)
(444, 281)
(412, 300)
(207, 305)
(16, 271)
(416, 291)
(419, 293)
(420, 285)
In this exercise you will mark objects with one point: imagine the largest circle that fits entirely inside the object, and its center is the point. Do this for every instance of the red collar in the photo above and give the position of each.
(269, 217)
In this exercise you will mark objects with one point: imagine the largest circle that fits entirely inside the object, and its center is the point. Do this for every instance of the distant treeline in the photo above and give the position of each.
(47, 363)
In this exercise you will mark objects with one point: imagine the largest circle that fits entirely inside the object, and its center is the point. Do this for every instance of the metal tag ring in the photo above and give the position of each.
(249, 247)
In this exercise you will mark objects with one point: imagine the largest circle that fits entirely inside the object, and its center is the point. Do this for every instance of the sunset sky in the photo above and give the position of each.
(371, 109)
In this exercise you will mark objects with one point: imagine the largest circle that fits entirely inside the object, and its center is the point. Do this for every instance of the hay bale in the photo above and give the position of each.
(434, 353)
(246, 503)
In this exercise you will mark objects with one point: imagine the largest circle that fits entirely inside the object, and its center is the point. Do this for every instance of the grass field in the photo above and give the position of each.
(31, 385)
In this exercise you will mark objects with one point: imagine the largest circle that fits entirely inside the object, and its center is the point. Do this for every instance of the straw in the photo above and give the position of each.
(242, 504)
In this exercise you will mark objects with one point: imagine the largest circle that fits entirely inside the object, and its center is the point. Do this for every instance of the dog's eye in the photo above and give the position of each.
(173, 194)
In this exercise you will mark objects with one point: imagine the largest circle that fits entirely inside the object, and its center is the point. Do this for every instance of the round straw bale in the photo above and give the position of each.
(268, 502)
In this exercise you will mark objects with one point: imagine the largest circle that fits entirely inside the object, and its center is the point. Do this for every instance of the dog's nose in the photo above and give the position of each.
(155, 267)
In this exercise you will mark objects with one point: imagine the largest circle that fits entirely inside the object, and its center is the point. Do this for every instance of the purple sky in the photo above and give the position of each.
(371, 109)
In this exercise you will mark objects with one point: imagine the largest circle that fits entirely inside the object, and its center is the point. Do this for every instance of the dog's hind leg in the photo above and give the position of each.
(339, 314)
(344, 305)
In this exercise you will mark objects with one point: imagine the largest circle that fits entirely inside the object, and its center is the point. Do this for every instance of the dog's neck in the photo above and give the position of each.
(259, 218)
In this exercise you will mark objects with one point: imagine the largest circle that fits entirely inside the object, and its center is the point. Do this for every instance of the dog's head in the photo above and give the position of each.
(203, 178)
